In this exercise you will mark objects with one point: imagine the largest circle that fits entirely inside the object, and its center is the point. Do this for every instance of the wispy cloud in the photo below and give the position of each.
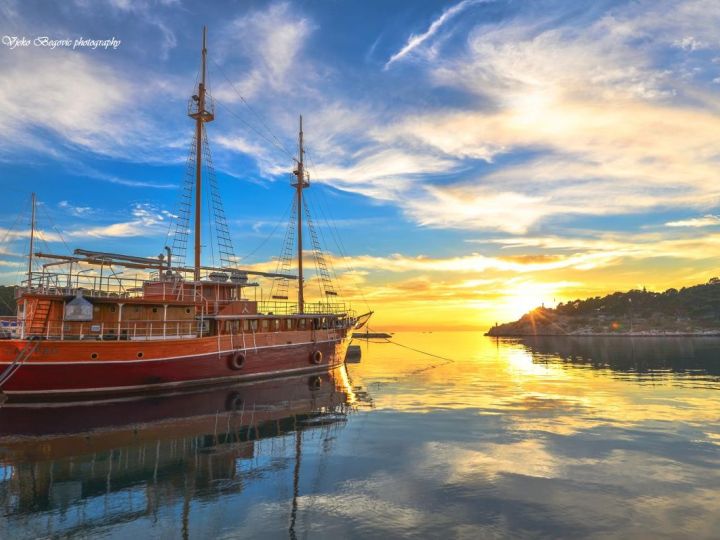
(147, 221)
(415, 41)
(705, 221)
(266, 45)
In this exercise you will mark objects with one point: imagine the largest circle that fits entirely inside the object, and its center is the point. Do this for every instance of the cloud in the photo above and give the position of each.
(561, 109)
(473, 207)
(143, 10)
(569, 108)
(78, 211)
(148, 220)
(268, 43)
(689, 43)
(705, 221)
(381, 173)
(65, 93)
(415, 41)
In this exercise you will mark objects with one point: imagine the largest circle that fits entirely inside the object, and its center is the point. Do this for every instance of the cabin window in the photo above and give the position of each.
(254, 325)
(302, 324)
(154, 310)
(289, 323)
(265, 325)
(94, 356)
(112, 309)
(187, 310)
(140, 355)
(276, 323)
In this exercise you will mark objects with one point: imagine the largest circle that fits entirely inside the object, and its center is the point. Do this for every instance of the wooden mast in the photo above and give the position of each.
(32, 240)
(299, 186)
(201, 116)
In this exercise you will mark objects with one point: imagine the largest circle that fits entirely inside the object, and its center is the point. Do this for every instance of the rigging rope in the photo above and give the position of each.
(276, 141)
(54, 228)
(277, 225)
(336, 235)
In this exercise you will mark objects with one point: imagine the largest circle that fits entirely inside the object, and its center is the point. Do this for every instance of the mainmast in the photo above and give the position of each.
(201, 115)
(32, 240)
(301, 184)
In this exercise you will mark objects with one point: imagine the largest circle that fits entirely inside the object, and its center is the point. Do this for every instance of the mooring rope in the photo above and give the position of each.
(445, 359)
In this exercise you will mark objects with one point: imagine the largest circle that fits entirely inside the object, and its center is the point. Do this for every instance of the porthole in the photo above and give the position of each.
(140, 355)
(94, 356)
(187, 310)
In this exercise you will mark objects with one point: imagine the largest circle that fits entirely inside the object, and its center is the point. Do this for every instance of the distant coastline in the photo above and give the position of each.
(688, 312)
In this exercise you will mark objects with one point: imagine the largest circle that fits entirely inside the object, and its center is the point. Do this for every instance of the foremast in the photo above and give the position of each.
(200, 115)
(301, 183)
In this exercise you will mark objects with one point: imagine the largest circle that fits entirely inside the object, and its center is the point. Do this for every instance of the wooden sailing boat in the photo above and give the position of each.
(99, 334)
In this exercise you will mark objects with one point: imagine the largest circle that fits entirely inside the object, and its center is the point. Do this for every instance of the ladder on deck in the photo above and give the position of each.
(39, 318)
(22, 356)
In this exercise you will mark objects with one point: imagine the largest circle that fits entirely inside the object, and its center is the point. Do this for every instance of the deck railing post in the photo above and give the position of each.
(164, 315)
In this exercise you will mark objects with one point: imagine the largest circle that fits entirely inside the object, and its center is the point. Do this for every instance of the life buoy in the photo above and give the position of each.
(316, 357)
(234, 401)
(236, 361)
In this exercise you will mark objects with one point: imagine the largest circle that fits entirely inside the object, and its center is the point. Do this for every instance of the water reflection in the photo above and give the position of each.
(85, 468)
(549, 438)
(694, 355)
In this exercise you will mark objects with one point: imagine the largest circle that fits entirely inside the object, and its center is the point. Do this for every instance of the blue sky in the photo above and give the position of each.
(473, 153)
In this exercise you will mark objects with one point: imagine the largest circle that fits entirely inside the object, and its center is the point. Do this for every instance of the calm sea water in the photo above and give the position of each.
(544, 438)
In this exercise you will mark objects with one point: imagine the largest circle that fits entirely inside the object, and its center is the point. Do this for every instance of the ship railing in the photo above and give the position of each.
(98, 285)
(270, 307)
(137, 330)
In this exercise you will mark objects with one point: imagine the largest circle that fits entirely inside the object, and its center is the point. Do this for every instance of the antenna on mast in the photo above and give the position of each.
(201, 115)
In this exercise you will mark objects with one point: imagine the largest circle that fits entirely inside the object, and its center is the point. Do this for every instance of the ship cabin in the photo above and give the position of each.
(165, 303)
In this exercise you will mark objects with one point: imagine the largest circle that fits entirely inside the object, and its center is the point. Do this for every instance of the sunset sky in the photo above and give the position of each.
(478, 158)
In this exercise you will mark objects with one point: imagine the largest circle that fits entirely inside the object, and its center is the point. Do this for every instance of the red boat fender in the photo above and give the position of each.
(236, 361)
(316, 357)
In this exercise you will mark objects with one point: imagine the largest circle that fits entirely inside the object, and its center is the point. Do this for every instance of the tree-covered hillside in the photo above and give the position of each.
(7, 300)
(691, 310)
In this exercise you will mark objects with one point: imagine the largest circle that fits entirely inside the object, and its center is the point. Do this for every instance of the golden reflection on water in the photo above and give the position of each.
(504, 376)
(561, 438)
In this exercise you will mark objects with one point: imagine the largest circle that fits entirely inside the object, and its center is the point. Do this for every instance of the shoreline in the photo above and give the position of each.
(627, 334)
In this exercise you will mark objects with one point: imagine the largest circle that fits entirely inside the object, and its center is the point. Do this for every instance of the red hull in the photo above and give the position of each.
(47, 374)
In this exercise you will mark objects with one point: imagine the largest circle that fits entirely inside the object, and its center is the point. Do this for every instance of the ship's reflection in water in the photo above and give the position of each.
(105, 468)
(545, 437)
